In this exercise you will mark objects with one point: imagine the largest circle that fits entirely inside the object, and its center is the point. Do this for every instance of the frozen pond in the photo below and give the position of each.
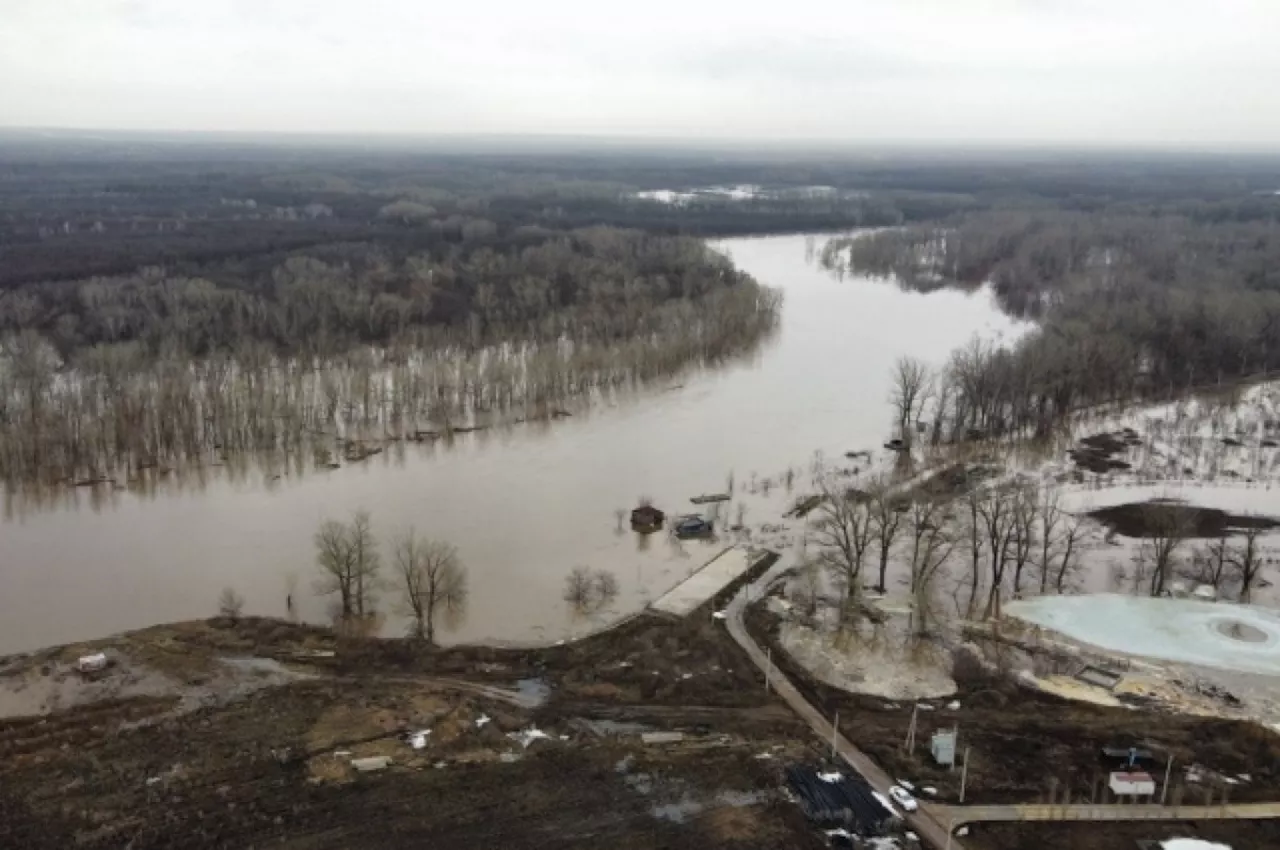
(524, 506)
(1243, 638)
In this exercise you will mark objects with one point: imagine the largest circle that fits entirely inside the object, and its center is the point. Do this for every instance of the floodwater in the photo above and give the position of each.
(524, 506)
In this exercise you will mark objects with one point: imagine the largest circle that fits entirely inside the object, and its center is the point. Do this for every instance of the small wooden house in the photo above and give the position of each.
(647, 518)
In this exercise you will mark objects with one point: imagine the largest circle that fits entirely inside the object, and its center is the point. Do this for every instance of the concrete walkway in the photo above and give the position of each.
(1091, 812)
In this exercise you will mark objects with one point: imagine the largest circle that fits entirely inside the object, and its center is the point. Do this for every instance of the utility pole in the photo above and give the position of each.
(768, 667)
(1168, 773)
(910, 743)
(964, 773)
(835, 731)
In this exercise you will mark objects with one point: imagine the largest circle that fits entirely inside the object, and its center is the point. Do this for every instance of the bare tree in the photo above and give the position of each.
(1166, 531)
(1051, 520)
(1210, 562)
(996, 512)
(1246, 561)
(1026, 511)
(366, 561)
(886, 521)
(909, 392)
(842, 534)
(932, 542)
(432, 582)
(1072, 531)
(587, 591)
(230, 604)
(806, 590)
(976, 539)
(337, 566)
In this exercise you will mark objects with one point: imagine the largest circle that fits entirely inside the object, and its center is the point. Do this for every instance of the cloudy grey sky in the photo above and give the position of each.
(1163, 72)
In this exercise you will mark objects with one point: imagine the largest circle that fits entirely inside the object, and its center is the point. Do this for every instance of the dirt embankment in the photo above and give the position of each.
(274, 766)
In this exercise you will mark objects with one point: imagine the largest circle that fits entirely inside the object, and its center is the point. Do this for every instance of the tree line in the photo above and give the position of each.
(1128, 307)
(640, 309)
(987, 543)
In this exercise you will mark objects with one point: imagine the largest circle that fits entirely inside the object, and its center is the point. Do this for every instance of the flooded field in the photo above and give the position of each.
(524, 506)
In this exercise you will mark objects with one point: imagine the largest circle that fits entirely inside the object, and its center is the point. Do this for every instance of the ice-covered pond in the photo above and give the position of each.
(1245, 638)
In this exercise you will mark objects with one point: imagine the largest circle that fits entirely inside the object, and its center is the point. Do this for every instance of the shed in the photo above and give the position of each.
(647, 518)
(1131, 784)
(943, 747)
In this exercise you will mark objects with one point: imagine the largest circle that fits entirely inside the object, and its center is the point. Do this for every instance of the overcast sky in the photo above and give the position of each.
(1164, 72)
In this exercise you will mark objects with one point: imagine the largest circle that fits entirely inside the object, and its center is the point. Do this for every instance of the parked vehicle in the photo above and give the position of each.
(903, 798)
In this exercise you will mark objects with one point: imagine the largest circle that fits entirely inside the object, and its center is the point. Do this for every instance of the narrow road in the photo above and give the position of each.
(923, 822)
(1092, 812)
(933, 821)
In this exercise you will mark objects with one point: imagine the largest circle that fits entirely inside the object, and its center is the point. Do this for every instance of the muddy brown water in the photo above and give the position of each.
(524, 506)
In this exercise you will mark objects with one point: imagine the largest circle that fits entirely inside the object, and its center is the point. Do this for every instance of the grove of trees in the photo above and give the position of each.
(1129, 305)
(427, 578)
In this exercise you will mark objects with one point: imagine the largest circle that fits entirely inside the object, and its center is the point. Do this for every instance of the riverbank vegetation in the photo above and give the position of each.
(109, 377)
(177, 303)
(1130, 305)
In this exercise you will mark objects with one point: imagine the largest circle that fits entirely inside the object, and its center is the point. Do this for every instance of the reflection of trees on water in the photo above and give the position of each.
(145, 426)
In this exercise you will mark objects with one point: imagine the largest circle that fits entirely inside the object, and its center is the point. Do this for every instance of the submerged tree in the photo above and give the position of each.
(842, 533)
(347, 559)
(910, 390)
(432, 581)
(589, 591)
(230, 604)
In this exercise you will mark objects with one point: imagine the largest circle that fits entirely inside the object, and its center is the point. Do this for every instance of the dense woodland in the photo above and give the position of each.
(164, 300)
(1129, 304)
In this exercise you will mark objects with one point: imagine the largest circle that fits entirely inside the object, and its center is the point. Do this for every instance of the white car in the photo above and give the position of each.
(903, 798)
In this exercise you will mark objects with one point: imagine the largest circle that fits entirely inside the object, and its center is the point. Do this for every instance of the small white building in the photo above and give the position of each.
(1132, 784)
(943, 747)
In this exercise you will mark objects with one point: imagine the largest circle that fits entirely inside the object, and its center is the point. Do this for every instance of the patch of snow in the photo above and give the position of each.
(1192, 844)
(483, 720)
(833, 776)
(886, 803)
(527, 736)
(418, 740)
(954, 705)
(930, 790)
(719, 615)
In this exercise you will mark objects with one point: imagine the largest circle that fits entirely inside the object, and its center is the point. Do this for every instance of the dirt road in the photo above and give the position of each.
(923, 822)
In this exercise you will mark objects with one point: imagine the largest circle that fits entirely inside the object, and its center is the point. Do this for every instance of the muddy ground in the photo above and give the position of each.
(259, 752)
(1245, 835)
(1021, 739)
(271, 766)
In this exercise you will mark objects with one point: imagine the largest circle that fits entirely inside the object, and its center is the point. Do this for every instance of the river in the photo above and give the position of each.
(523, 506)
